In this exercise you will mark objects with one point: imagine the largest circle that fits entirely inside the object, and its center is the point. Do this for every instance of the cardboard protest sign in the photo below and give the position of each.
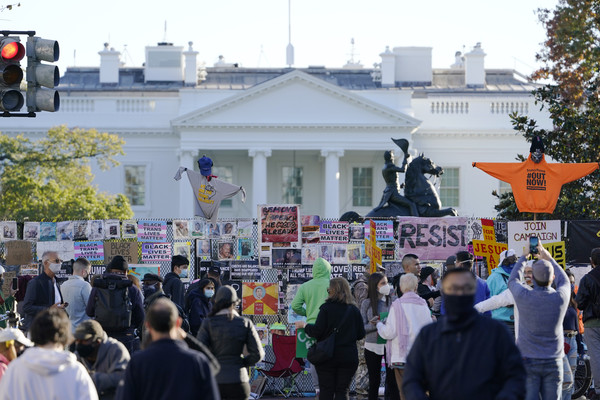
(18, 252)
(280, 224)
(432, 238)
(520, 231)
(65, 249)
(303, 342)
(384, 229)
(129, 251)
(93, 251)
(156, 252)
(152, 231)
(260, 298)
(334, 232)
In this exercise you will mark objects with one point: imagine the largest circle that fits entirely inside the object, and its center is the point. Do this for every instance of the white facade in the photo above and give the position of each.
(258, 132)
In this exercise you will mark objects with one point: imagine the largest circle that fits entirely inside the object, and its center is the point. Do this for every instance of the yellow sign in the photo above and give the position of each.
(490, 250)
(371, 248)
(558, 252)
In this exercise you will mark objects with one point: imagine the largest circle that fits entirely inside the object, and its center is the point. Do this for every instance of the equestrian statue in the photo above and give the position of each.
(420, 196)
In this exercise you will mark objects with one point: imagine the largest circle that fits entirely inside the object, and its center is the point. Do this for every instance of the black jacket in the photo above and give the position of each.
(588, 294)
(475, 358)
(166, 370)
(350, 329)
(226, 338)
(38, 297)
(425, 293)
(173, 287)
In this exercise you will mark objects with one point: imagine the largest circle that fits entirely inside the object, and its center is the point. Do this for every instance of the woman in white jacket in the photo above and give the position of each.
(407, 316)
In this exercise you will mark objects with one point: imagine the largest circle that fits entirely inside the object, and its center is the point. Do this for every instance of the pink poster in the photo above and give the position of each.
(432, 238)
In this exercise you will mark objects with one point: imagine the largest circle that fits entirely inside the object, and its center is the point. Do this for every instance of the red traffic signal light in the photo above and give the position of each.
(12, 51)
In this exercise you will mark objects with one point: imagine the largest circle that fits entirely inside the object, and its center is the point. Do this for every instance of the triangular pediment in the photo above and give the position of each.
(296, 99)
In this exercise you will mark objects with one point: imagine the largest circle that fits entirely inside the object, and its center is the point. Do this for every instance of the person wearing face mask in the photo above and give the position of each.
(43, 291)
(200, 304)
(474, 357)
(173, 286)
(76, 292)
(104, 358)
(498, 282)
(378, 301)
(151, 286)
(12, 345)
(6, 303)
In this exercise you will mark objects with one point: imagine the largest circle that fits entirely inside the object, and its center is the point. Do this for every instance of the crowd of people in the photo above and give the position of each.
(516, 335)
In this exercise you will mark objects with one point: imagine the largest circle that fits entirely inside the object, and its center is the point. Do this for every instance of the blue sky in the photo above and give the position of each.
(255, 32)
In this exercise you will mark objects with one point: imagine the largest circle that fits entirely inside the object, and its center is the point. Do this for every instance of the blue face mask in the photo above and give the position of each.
(209, 293)
(183, 273)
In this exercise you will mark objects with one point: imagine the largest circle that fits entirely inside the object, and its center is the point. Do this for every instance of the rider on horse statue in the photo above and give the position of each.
(390, 175)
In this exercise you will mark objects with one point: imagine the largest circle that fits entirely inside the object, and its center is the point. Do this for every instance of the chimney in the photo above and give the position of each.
(388, 69)
(191, 66)
(474, 67)
(413, 66)
(109, 65)
(164, 63)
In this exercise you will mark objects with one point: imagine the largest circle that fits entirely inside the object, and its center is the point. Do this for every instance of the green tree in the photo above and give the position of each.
(50, 179)
(571, 58)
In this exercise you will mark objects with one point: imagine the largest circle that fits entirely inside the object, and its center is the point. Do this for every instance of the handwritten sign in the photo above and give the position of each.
(520, 231)
(18, 252)
(129, 251)
(156, 252)
(432, 238)
(280, 224)
(93, 251)
(152, 231)
(489, 249)
(558, 252)
(334, 231)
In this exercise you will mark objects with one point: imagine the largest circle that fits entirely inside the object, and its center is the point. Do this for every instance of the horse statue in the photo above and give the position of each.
(418, 189)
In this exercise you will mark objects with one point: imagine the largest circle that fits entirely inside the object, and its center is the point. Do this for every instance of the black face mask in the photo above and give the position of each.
(458, 306)
(149, 290)
(85, 350)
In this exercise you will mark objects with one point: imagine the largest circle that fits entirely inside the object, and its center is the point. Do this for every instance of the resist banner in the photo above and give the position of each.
(432, 238)
(520, 231)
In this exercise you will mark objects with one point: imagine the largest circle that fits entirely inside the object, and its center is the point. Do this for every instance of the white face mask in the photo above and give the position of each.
(385, 290)
(55, 268)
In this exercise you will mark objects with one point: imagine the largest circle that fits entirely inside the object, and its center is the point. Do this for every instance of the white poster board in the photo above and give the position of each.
(520, 231)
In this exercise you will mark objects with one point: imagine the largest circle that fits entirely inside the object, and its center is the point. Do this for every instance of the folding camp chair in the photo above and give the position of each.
(286, 367)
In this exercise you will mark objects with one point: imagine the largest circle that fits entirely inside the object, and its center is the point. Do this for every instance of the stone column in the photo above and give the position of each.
(332, 182)
(187, 158)
(259, 177)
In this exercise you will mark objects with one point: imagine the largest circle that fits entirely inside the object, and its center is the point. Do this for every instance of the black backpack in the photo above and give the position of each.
(113, 305)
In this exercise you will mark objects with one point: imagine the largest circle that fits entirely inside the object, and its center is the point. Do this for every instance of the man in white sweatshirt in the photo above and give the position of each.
(47, 371)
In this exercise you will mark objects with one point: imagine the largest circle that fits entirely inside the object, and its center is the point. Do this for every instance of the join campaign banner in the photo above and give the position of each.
(432, 238)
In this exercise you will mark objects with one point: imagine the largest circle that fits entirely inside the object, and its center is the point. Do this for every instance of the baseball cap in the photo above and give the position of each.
(451, 260)
(16, 335)
(89, 329)
(205, 164)
(542, 270)
(151, 277)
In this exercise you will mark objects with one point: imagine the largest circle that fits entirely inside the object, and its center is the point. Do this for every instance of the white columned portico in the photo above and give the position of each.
(186, 196)
(332, 182)
(259, 177)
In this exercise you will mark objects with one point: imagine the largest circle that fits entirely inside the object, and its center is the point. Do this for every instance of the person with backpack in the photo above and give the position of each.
(200, 304)
(588, 300)
(117, 304)
(153, 291)
(173, 286)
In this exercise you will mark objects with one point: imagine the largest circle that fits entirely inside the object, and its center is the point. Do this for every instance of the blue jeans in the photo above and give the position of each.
(572, 366)
(544, 377)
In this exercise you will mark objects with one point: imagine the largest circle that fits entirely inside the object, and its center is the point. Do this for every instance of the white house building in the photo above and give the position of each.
(313, 136)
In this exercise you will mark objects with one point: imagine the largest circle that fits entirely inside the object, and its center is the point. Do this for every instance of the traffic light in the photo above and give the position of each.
(11, 74)
(41, 76)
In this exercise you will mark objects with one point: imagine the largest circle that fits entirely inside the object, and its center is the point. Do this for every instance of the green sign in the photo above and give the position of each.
(303, 342)
(382, 316)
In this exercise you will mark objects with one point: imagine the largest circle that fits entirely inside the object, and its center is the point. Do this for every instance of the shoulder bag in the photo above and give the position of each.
(322, 351)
